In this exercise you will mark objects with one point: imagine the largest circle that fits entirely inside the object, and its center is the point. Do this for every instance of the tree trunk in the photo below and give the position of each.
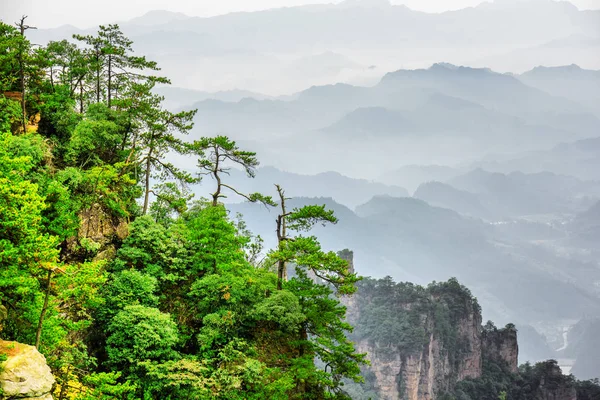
(52, 78)
(22, 28)
(109, 79)
(38, 333)
(98, 67)
(281, 274)
(24, 114)
(216, 194)
(281, 237)
(147, 183)
(22, 88)
(81, 96)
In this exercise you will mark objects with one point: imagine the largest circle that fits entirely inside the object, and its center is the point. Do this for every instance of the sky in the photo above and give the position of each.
(88, 13)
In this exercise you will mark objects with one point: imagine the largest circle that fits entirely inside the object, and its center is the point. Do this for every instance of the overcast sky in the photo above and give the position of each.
(87, 13)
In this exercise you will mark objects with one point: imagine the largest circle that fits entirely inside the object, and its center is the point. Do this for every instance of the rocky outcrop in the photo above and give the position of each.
(98, 234)
(347, 255)
(439, 341)
(25, 374)
(553, 385)
(500, 345)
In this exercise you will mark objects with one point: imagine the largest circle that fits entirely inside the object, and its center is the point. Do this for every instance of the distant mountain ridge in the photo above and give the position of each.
(571, 82)
(370, 33)
(344, 190)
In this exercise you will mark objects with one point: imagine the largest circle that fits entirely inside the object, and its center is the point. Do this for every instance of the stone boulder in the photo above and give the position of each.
(25, 374)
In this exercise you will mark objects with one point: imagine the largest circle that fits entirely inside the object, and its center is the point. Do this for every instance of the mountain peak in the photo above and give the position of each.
(366, 3)
(442, 70)
(444, 65)
(564, 71)
(157, 17)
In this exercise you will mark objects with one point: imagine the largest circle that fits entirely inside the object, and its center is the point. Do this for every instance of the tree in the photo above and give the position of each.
(27, 254)
(170, 200)
(157, 138)
(67, 65)
(215, 153)
(14, 52)
(319, 275)
(22, 55)
(139, 333)
(306, 251)
(113, 65)
(11, 43)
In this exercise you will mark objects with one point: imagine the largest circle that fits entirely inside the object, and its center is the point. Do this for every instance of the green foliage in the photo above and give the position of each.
(148, 248)
(10, 42)
(165, 300)
(10, 115)
(58, 120)
(216, 155)
(140, 334)
(380, 320)
(541, 380)
(106, 386)
(112, 64)
(282, 308)
(128, 287)
(96, 139)
(170, 200)
(25, 248)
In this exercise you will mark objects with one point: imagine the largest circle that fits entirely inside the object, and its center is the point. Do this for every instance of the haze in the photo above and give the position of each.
(450, 144)
(84, 14)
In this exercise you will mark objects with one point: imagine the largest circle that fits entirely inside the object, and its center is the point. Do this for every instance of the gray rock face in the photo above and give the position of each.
(25, 374)
(421, 376)
(454, 346)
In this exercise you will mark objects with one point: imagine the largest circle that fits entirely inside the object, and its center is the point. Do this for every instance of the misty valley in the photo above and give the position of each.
(353, 200)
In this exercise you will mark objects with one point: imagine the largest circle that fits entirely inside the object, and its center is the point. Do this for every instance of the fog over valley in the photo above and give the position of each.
(456, 144)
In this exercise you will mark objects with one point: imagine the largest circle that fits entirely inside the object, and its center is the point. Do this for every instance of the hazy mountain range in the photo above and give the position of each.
(280, 56)
(462, 144)
(455, 113)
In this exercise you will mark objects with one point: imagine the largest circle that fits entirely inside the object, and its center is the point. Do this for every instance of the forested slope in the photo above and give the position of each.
(133, 289)
(130, 288)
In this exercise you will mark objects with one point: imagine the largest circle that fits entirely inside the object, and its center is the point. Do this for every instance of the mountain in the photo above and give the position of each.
(342, 189)
(158, 17)
(456, 113)
(497, 92)
(584, 345)
(586, 225)
(412, 176)
(533, 346)
(177, 98)
(443, 195)
(579, 158)
(363, 122)
(571, 82)
(366, 32)
(575, 48)
(408, 239)
(427, 343)
(518, 194)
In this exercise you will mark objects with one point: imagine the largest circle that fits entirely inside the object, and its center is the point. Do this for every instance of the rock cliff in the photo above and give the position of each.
(24, 375)
(422, 341)
(501, 346)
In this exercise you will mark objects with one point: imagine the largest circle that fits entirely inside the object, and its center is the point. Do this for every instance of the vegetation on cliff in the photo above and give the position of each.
(543, 380)
(401, 321)
(128, 286)
(132, 289)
